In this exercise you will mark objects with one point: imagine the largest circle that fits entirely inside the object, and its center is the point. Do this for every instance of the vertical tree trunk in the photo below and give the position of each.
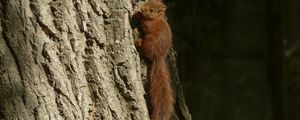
(276, 58)
(70, 59)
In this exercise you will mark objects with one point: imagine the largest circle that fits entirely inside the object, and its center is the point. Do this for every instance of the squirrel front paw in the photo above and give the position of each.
(138, 43)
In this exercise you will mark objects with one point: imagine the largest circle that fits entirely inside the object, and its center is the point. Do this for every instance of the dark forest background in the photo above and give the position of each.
(238, 59)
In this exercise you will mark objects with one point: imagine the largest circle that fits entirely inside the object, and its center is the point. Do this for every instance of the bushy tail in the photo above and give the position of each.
(160, 91)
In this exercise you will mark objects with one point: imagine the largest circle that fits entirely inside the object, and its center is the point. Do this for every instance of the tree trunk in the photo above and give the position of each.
(276, 59)
(71, 59)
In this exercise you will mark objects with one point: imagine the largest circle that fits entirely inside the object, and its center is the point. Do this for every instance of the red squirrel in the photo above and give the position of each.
(154, 46)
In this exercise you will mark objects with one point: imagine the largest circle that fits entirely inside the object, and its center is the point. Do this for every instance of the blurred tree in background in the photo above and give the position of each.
(238, 58)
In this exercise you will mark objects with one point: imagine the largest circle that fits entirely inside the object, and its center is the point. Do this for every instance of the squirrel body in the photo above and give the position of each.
(154, 46)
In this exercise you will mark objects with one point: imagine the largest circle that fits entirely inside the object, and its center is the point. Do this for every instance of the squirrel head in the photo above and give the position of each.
(152, 10)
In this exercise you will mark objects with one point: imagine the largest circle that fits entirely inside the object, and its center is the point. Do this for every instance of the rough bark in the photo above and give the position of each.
(70, 59)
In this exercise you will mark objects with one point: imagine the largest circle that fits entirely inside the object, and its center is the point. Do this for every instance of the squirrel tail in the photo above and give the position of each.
(160, 91)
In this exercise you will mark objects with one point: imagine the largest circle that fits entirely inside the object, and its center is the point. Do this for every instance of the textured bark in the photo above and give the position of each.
(181, 109)
(70, 59)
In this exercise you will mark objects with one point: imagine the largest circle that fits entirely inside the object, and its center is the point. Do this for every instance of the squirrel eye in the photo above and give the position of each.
(151, 10)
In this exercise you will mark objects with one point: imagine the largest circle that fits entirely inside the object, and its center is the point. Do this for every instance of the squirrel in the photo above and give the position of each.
(154, 47)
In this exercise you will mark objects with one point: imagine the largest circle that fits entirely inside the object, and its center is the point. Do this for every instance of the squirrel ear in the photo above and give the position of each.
(163, 9)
